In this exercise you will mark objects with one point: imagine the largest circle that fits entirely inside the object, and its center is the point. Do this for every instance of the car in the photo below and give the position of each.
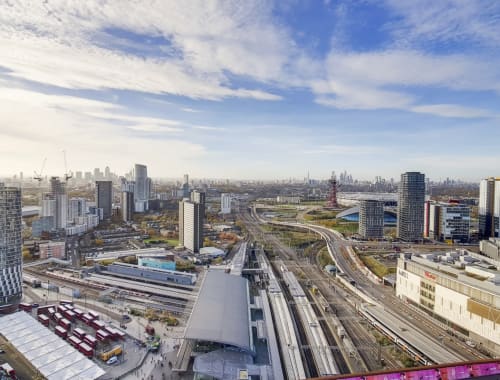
(34, 305)
(2, 351)
(112, 360)
(313, 324)
(470, 343)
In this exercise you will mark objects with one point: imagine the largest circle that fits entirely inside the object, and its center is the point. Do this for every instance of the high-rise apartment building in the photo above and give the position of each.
(76, 209)
(489, 207)
(10, 248)
(225, 203)
(55, 203)
(411, 191)
(185, 186)
(371, 219)
(191, 220)
(449, 221)
(104, 197)
(141, 189)
(127, 199)
(127, 205)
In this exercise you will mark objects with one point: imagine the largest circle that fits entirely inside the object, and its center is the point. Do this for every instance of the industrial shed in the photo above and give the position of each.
(49, 354)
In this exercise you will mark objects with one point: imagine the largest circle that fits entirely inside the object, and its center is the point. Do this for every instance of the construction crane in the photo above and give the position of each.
(39, 176)
(67, 175)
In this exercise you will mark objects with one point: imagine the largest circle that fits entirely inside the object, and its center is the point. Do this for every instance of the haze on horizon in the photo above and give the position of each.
(251, 89)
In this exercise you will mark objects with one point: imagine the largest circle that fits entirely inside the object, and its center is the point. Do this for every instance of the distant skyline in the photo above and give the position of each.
(252, 89)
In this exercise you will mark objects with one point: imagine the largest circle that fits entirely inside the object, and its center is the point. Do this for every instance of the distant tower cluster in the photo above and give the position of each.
(332, 195)
(10, 248)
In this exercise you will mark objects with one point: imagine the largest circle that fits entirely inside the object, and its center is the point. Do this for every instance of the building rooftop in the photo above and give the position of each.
(464, 268)
(48, 353)
(221, 312)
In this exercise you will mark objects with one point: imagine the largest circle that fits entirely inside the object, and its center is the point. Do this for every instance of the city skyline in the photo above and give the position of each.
(255, 90)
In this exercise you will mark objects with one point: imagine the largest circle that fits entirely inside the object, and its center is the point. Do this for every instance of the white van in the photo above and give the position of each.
(112, 360)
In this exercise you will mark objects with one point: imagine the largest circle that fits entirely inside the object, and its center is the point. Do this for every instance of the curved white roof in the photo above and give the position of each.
(221, 312)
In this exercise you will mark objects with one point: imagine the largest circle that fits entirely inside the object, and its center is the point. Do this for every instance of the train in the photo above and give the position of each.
(393, 336)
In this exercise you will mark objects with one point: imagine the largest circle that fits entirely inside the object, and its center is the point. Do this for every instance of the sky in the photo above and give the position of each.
(251, 89)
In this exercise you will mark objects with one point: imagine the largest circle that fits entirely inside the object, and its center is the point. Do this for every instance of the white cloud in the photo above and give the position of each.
(59, 43)
(187, 109)
(207, 128)
(92, 132)
(452, 110)
(446, 20)
(383, 80)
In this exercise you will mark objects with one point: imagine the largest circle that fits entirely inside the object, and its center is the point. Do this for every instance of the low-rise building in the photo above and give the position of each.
(156, 262)
(288, 199)
(449, 222)
(55, 249)
(490, 248)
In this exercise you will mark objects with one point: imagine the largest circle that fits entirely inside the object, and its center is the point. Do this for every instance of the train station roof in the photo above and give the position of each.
(221, 312)
(48, 353)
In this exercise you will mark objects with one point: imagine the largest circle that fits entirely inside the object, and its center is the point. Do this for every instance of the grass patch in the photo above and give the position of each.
(320, 215)
(324, 258)
(294, 238)
(161, 240)
(376, 267)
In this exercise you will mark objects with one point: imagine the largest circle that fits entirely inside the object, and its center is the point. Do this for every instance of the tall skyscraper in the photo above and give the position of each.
(185, 186)
(225, 203)
(371, 219)
(104, 197)
(107, 173)
(10, 248)
(56, 203)
(127, 199)
(191, 220)
(411, 206)
(141, 190)
(489, 207)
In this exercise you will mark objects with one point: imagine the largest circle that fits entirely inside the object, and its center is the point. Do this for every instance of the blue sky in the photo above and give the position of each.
(252, 89)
